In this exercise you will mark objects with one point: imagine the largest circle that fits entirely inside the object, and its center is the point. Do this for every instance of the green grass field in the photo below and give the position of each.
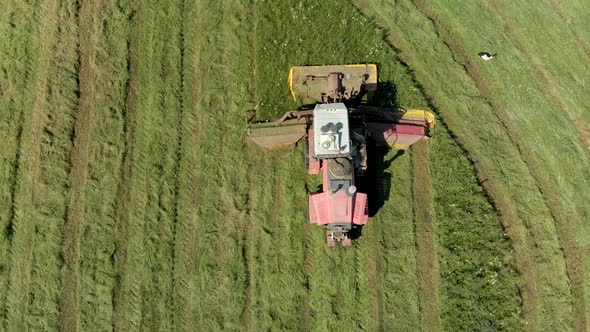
(131, 199)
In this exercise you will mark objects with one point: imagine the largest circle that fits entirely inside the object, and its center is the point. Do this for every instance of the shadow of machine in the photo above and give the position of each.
(346, 140)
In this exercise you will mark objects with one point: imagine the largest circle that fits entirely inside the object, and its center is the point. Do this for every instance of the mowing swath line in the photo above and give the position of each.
(509, 216)
(566, 231)
(185, 231)
(547, 84)
(530, 305)
(556, 7)
(88, 30)
(548, 193)
(24, 238)
(426, 252)
(122, 209)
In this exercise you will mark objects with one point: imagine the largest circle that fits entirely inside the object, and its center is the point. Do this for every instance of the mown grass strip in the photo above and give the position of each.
(425, 243)
(87, 25)
(96, 271)
(23, 219)
(51, 192)
(133, 192)
(393, 203)
(162, 169)
(18, 45)
(189, 193)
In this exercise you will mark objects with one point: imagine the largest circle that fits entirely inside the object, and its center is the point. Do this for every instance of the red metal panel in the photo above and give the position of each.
(319, 203)
(312, 215)
(360, 209)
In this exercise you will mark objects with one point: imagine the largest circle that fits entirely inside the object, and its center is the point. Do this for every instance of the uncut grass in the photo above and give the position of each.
(17, 50)
(495, 156)
(478, 276)
(577, 15)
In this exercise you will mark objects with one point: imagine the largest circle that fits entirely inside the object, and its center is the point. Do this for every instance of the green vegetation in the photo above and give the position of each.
(131, 199)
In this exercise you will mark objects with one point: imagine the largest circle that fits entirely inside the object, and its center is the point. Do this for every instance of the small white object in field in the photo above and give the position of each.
(486, 56)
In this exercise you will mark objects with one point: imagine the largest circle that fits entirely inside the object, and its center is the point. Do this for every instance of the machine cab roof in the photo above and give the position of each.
(331, 131)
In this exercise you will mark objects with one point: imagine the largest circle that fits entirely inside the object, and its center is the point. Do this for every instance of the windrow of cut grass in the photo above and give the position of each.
(48, 101)
(471, 112)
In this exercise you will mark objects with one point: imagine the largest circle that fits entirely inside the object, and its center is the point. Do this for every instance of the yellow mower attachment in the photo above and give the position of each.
(332, 83)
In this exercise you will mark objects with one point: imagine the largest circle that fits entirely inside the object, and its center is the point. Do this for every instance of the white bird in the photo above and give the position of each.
(486, 56)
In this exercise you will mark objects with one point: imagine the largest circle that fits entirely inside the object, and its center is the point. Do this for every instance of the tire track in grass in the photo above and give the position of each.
(22, 224)
(189, 192)
(88, 29)
(426, 252)
(551, 198)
